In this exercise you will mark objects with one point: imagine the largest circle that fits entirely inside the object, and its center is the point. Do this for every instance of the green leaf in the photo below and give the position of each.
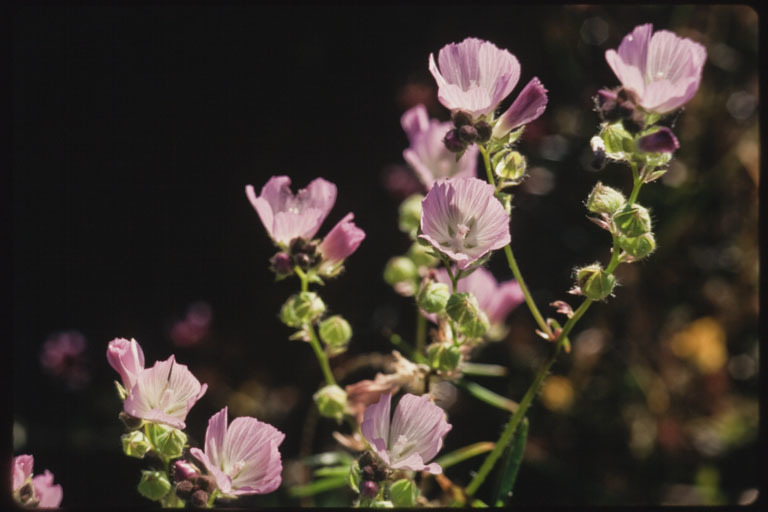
(487, 396)
(464, 453)
(512, 460)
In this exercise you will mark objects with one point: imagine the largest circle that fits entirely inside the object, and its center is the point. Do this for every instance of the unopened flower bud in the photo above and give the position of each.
(154, 485)
(421, 255)
(461, 118)
(660, 141)
(281, 264)
(404, 493)
(331, 401)
(369, 489)
(484, 131)
(599, 158)
(410, 215)
(433, 296)
(443, 357)
(184, 470)
(606, 104)
(400, 269)
(199, 499)
(465, 311)
(634, 121)
(135, 444)
(618, 141)
(632, 220)
(205, 482)
(301, 309)
(467, 134)
(168, 441)
(594, 282)
(638, 247)
(511, 167)
(131, 422)
(453, 143)
(604, 199)
(335, 331)
(184, 489)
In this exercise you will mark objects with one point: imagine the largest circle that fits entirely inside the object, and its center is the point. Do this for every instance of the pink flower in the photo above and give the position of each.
(428, 155)
(528, 106)
(341, 241)
(164, 393)
(495, 299)
(663, 70)
(413, 437)
(243, 458)
(194, 327)
(474, 76)
(462, 219)
(660, 141)
(46, 494)
(287, 216)
(127, 358)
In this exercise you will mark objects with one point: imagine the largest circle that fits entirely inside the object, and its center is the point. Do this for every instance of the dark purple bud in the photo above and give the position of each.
(199, 499)
(184, 489)
(467, 134)
(598, 159)
(303, 261)
(625, 109)
(484, 131)
(606, 105)
(369, 489)
(205, 482)
(183, 470)
(453, 142)
(461, 118)
(281, 264)
(660, 141)
(131, 422)
(634, 123)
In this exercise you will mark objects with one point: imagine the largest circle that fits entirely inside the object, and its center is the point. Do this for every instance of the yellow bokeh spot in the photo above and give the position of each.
(557, 393)
(703, 343)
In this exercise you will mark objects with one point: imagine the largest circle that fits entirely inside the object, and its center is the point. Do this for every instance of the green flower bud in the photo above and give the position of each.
(604, 199)
(301, 309)
(335, 331)
(422, 255)
(168, 441)
(331, 401)
(400, 269)
(410, 215)
(465, 311)
(618, 141)
(154, 485)
(594, 282)
(382, 504)
(443, 357)
(638, 247)
(632, 220)
(433, 296)
(404, 493)
(506, 201)
(135, 444)
(511, 166)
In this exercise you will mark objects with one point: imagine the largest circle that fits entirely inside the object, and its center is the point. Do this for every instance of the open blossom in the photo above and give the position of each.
(474, 76)
(287, 216)
(164, 393)
(427, 154)
(46, 494)
(127, 358)
(341, 241)
(496, 299)
(662, 70)
(412, 438)
(462, 219)
(243, 458)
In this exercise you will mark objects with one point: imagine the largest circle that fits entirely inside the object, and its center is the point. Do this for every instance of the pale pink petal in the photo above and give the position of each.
(223, 482)
(22, 469)
(528, 106)
(414, 121)
(375, 426)
(422, 423)
(127, 358)
(508, 296)
(50, 495)
(633, 49)
(630, 77)
(342, 240)
(251, 450)
(215, 435)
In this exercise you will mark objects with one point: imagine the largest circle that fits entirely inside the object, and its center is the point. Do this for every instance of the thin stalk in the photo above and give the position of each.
(526, 293)
(321, 357)
(486, 395)
(421, 332)
(303, 277)
(487, 163)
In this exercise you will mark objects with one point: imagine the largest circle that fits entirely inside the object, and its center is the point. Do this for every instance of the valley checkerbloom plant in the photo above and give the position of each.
(33, 491)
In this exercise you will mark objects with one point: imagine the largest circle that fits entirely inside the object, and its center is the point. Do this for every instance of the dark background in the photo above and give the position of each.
(136, 129)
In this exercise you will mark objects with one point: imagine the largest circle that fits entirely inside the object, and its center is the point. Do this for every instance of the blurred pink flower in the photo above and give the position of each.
(243, 458)
(164, 393)
(427, 154)
(287, 216)
(527, 107)
(663, 70)
(495, 299)
(194, 327)
(412, 438)
(474, 76)
(22, 470)
(127, 358)
(63, 355)
(46, 494)
(341, 241)
(462, 219)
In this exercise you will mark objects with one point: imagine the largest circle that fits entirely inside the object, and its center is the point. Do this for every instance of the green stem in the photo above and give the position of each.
(321, 357)
(303, 277)
(487, 163)
(486, 395)
(526, 293)
(421, 333)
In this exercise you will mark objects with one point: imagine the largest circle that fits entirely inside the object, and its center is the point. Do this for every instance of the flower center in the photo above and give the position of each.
(401, 448)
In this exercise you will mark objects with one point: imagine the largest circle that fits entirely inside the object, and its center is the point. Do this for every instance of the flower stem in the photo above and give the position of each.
(487, 163)
(303, 277)
(321, 357)
(526, 293)
(421, 333)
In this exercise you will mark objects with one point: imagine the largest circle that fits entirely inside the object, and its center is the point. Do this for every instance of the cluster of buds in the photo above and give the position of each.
(301, 253)
(466, 132)
(191, 485)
